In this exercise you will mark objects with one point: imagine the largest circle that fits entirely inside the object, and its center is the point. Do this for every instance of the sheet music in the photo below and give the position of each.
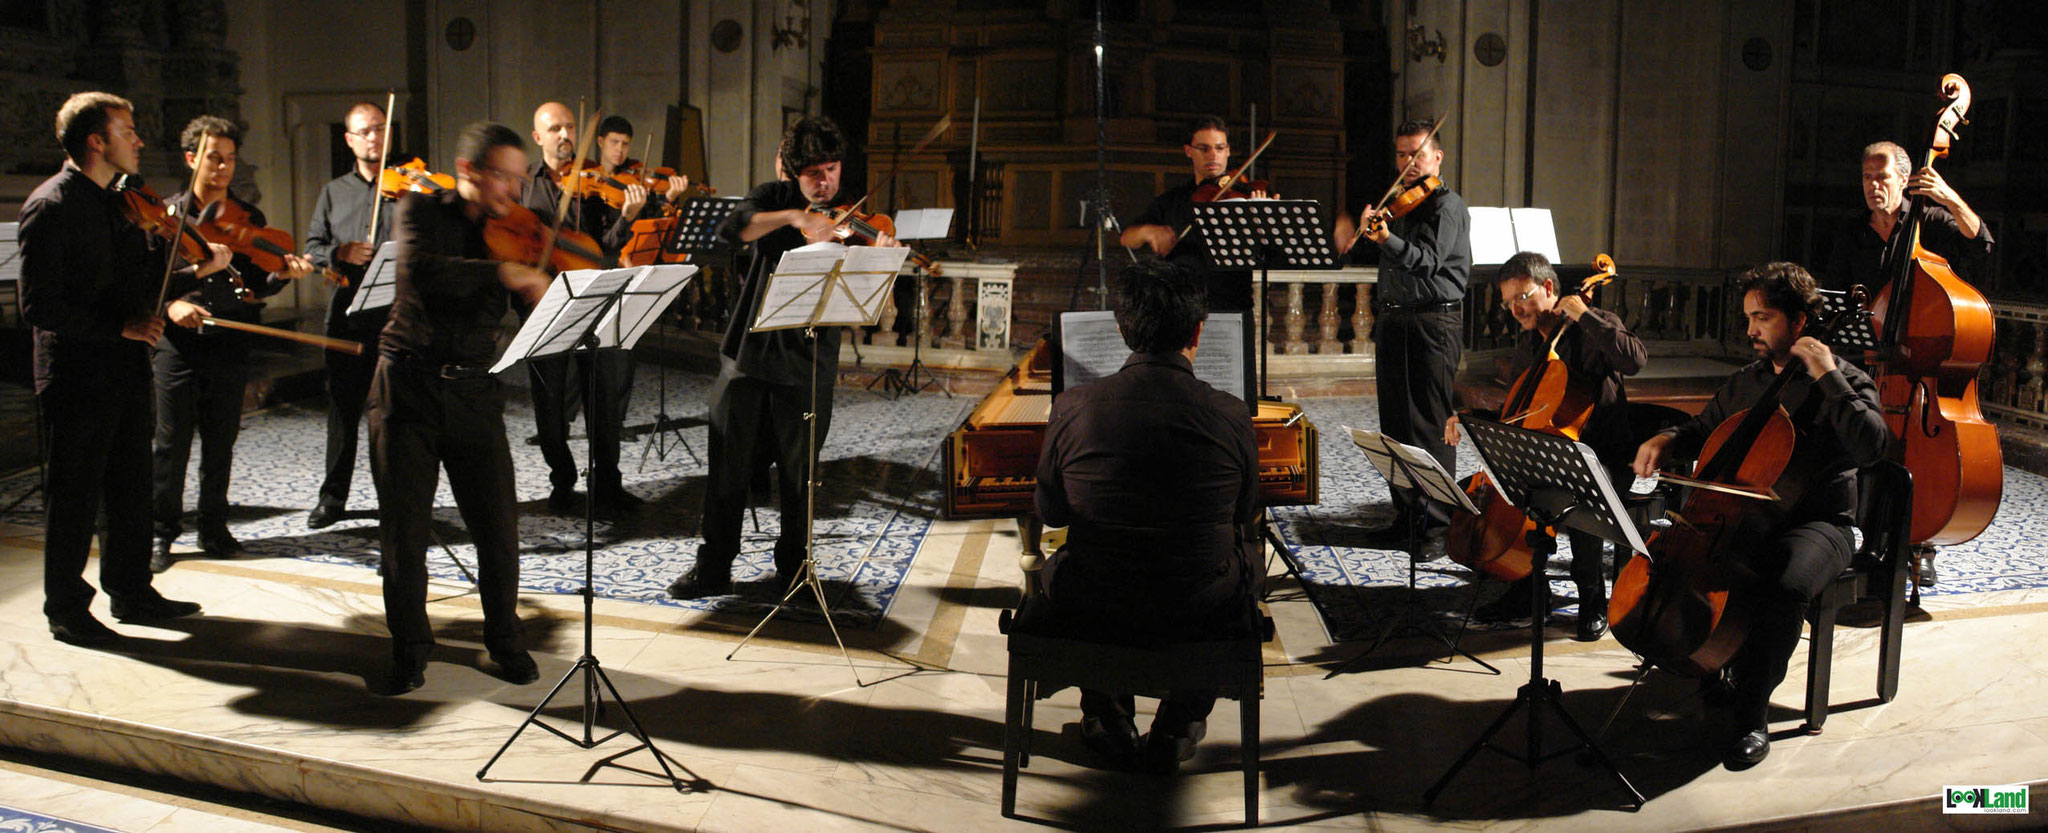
(796, 293)
(1502, 233)
(1534, 232)
(564, 313)
(1092, 347)
(10, 252)
(866, 273)
(1439, 485)
(649, 291)
(379, 286)
(923, 223)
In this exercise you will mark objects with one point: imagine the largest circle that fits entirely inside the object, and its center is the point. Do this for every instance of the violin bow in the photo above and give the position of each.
(1396, 187)
(377, 181)
(547, 249)
(930, 136)
(163, 291)
(1225, 183)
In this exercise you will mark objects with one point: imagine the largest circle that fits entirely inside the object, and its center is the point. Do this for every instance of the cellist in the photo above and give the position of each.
(1597, 350)
(1834, 408)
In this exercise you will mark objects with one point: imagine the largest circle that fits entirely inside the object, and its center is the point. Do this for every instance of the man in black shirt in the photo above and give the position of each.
(1155, 475)
(433, 403)
(1834, 407)
(560, 382)
(89, 282)
(1948, 226)
(201, 376)
(768, 381)
(1425, 258)
(335, 240)
(1160, 227)
(1597, 350)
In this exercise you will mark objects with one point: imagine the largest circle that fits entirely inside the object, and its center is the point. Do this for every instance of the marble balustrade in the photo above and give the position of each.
(2013, 384)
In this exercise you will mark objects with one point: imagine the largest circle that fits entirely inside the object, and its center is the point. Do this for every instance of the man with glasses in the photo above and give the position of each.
(1160, 227)
(336, 239)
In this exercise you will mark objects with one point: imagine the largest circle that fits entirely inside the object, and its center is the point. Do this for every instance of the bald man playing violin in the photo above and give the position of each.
(1160, 227)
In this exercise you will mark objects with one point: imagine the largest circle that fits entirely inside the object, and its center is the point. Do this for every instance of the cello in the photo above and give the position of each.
(1543, 398)
(1934, 332)
(1675, 607)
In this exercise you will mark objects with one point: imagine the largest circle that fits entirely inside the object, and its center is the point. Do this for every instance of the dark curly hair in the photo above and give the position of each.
(204, 126)
(1158, 306)
(813, 141)
(1786, 287)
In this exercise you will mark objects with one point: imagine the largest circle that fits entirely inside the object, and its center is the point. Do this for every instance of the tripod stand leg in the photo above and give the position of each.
(1556, 701)
(451, 556)
(1429, 795)
(532, 718)
(638, 732)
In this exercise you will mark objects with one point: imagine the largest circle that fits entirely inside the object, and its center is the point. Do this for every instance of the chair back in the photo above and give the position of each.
(1884, 514)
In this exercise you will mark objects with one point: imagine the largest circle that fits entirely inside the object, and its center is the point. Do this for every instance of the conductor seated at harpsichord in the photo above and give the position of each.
(1155, 475)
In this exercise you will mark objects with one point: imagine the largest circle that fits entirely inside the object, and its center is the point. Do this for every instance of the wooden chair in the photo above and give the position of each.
(1042, 665)
(1886, 514)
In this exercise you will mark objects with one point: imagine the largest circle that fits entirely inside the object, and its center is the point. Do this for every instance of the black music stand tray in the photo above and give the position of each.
(1411, 468)
(593, 317)
(1855, 336)
(809, 289)
(1558, 483)
(1262, 234)
(695, 232)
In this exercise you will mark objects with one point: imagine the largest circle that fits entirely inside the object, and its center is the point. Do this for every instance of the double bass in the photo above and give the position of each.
(1679, 607)
(1934, 332)
(1544, 398)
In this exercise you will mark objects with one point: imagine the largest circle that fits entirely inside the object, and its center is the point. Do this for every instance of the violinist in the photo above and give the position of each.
(1161, 226)
(614, 141)
(200, 376)
(764, 384)
(89, 283)
(1834, 408)
(434, 403)
(334, 239)
(1425, 259)
(558, 383)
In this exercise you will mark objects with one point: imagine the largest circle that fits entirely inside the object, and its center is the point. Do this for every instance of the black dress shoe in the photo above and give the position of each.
(1591, 627)
(1749, 750)
(407, 674)
(1165, 752)
(151, 608)
(515, 665)
(695, 586)
(218, 542)
(565, 501)
(619, 501)
(160, 557)
(1116, 740)
(85, 632)
(323, 516)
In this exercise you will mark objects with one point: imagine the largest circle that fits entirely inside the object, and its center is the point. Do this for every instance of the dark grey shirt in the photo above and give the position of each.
(1427, 256)
(342, 215)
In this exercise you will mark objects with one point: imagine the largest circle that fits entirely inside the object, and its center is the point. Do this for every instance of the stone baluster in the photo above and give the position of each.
(1297, 321)
(1361, 320)
(886, 334)
(2031, 397)
(1675, 322)
(1327, 321)
(956, 316)
(1643, 324)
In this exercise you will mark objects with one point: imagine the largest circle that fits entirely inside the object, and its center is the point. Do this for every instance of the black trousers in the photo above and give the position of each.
(421, 423)
(95, 436)
(560, 383)
(348, 386)
(753, 423)
(1793, 571)
(1416, 363)
(195, 397)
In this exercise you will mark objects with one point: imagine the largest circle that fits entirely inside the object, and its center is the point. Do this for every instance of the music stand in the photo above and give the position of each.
(1262, 234)
(379, 285)
(1415, 470)
(593, 310)
(1855, 334)
(917, 224)
(821, 285)
(1557, 483)
(693, 230)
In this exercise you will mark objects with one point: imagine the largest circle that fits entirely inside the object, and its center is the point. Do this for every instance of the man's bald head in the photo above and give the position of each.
(554, 132)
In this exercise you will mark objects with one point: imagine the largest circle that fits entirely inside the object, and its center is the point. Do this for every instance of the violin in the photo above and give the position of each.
(863, 229)
(395, 180)
(226, 222)
(590, 181)
(521, 237)
(1934, 332)
(1239, 190)
(150, 213)
(1544, 398)
(1399, 201)
(1676, 607)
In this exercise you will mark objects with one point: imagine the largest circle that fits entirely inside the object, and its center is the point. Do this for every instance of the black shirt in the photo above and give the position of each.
(217, 295)
(1427, 256)
(85, 271)
(1151, 468)
(1841, 429)
(1597, 351)
(342, 215)
(448, 300)
(1857, 256)
(1229, 289)
(780, 357)
(586, 214)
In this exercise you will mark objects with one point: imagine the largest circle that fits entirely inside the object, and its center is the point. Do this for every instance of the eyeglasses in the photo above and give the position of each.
(367, 133)
(1524, 296)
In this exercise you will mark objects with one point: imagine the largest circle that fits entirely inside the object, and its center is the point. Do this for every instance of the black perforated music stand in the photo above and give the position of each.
(1263, 234)
(1414, 472)
(1855, 335)
(1557, 483)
